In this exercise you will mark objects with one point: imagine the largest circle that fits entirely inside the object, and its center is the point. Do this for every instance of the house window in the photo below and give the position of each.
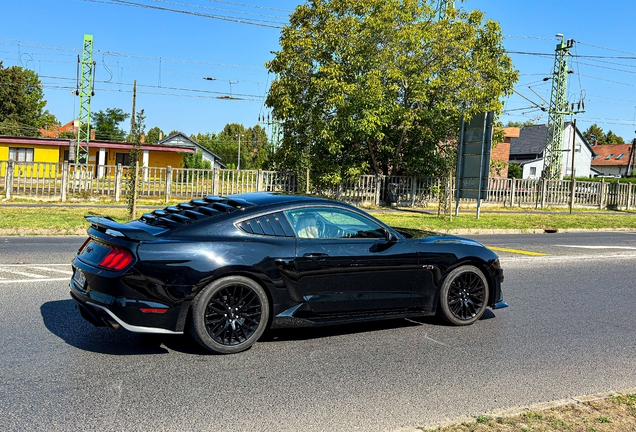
(21, 154)
(611, 155)
(122, 158)
(533, 171)
(620, 156)
(577, 149)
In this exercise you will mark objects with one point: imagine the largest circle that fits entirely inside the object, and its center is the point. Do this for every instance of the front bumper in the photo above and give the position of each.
(496, 296)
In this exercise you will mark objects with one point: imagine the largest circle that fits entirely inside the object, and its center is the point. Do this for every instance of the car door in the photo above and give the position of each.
(349, 266)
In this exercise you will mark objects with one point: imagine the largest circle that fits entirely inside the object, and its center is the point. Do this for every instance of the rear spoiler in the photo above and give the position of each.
(107, 225)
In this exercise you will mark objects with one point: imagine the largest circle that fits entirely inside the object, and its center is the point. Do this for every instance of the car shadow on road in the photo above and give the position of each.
(304, 333)
(63, 320)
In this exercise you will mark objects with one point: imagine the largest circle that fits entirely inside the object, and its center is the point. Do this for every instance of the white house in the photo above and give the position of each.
(528, 149)
(182, 140)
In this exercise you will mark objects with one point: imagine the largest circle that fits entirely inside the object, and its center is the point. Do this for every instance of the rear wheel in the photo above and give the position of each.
(229, 315)
(464, 296)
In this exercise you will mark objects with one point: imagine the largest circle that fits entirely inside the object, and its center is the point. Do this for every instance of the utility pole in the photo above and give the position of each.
(134, 102)
(85, 90)
(238, 163)
(552, 156)
(572, 185)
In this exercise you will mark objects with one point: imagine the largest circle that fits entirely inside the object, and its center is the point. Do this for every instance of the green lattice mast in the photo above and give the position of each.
(86, 77)
(552, 155)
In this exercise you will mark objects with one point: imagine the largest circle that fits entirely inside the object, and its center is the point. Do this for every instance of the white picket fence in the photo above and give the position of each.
(63, 181)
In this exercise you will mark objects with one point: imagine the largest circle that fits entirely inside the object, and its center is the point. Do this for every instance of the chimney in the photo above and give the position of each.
(595, 142)
(160, 135)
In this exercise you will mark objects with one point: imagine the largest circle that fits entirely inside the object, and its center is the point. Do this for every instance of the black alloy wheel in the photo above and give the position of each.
(229, 315)
(464, 295)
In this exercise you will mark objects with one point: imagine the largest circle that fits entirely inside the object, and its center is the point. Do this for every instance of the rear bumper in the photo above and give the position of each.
(103, 301)
(101, 316)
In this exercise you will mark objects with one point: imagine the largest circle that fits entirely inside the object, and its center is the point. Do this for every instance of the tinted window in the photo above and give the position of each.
(332, 223)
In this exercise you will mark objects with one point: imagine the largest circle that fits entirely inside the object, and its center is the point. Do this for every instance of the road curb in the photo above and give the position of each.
(515, 411)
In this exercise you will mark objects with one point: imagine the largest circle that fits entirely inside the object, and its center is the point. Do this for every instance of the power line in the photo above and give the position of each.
(260, 23)
(250, 5)
(606, 48)
(609, 80)
(220, 9)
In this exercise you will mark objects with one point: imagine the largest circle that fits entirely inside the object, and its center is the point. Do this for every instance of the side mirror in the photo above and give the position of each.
(389, 236)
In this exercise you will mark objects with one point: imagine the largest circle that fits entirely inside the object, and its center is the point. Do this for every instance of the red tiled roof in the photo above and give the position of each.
(603, 153)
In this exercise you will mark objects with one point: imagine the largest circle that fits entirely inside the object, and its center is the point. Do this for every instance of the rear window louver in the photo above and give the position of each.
(195, 210)
(269, 225)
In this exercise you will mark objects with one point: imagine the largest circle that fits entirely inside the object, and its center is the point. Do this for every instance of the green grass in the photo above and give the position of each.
(65, 219)
(515, 221)
(51, 220)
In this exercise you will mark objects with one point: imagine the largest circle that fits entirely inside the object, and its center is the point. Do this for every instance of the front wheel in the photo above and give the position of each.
(229, 315)
(463, 296)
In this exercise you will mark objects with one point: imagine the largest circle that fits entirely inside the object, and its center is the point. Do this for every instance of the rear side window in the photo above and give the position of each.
(274, 224)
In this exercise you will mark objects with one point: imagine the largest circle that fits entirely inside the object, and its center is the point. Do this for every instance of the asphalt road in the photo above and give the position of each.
(570, 330)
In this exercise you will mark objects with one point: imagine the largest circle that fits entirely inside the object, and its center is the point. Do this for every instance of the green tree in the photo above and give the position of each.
(106, 124)
(254, 145)
(380, 85)
(152, 137)
(612, 138)
(195, 160)
(519, 124)
(595, 133)
(514, 170)
(22, 103)
(67, 134)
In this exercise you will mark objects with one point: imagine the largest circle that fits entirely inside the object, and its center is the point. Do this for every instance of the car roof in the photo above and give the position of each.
(267, 198)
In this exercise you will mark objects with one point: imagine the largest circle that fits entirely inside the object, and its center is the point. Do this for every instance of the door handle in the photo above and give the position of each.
(315, 255)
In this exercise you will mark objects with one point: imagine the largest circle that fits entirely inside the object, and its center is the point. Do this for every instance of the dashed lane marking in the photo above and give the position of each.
(598, 247)
(33, 273)
(517, 251)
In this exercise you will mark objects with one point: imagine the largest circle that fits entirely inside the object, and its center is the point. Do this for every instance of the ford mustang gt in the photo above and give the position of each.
(224, 269)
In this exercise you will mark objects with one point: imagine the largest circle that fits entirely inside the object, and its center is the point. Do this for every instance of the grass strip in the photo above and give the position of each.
(514, 221)
(610, 414)
(70, 220)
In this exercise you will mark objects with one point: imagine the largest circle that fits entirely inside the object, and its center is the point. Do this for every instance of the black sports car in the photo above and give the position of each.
(226, 268)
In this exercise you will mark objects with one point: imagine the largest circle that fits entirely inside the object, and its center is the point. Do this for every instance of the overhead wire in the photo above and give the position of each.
(260, 23)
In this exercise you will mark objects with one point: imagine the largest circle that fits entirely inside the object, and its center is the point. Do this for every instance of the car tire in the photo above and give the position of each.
(229, 315)
(463, 297)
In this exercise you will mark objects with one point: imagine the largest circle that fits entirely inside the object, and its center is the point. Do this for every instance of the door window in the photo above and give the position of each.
(332, 223)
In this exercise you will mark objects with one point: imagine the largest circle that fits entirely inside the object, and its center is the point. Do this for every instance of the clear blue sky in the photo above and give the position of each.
(170, 53)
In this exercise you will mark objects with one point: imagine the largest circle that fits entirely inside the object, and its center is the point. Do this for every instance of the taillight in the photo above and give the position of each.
(116, 259)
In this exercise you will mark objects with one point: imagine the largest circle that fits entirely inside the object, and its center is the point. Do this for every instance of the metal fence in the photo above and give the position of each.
(63, 181)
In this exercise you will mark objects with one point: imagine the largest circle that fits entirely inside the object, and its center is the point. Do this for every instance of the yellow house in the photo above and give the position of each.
(47, 153)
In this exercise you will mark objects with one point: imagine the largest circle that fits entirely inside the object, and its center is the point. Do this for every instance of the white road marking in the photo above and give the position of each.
(26, 270)
(68, 272)
(556, 258)
(598, 247)
(21, 273)
(31, 280)
(31, 265)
